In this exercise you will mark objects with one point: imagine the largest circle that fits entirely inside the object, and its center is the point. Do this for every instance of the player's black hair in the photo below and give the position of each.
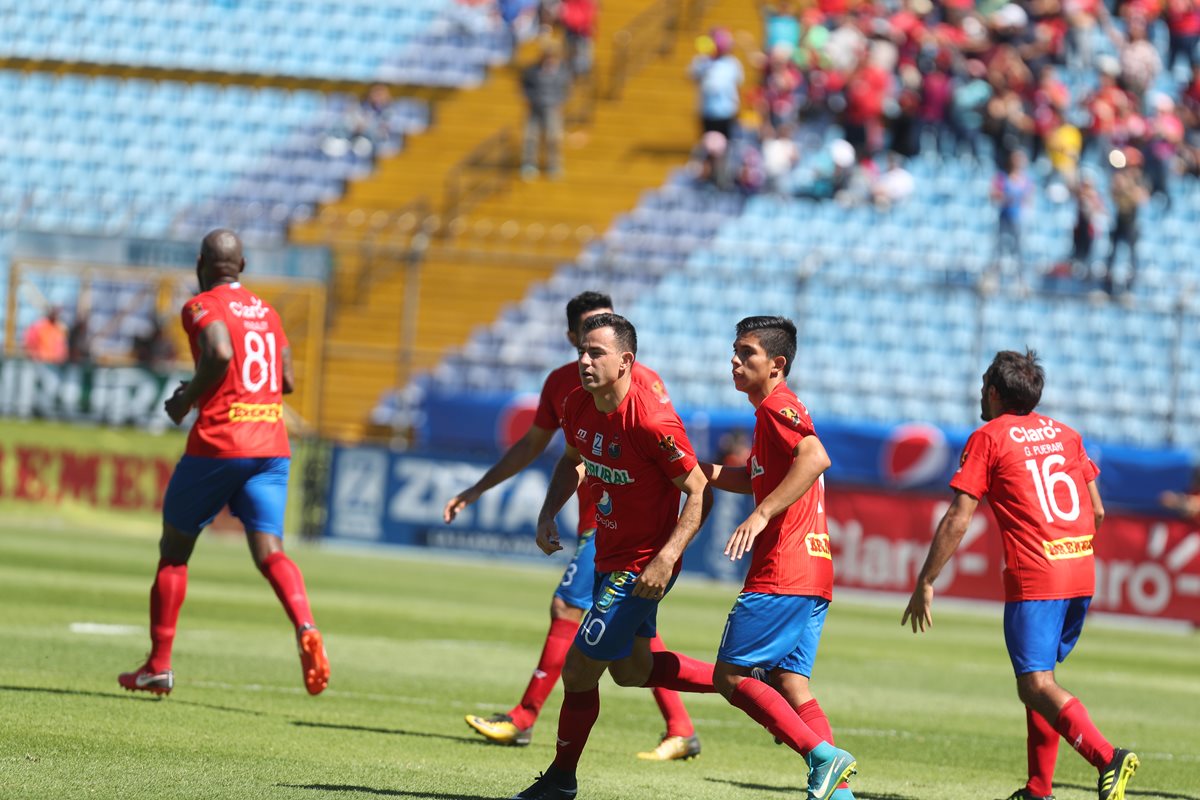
(1018, 379)
(777, 335)
(580, 304)
(623, 330)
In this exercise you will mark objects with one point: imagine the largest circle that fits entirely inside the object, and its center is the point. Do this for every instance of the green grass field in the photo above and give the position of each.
(416, 642)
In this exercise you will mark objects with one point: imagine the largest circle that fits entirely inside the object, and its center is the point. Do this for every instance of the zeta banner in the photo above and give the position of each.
(86, 393)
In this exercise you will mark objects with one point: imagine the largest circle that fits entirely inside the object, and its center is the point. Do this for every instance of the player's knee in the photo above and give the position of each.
(560, 609)
(1033, 687)
(726, 677)
(628, 673)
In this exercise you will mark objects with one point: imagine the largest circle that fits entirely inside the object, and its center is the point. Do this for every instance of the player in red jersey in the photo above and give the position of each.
(574, 593)
(637, 461)
(237, 455)
(775, 626)
(1042, 488)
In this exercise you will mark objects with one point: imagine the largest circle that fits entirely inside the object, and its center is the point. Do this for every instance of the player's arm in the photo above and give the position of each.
(727, 479)
(1187, 505)
(652, 583)
(289, 372)
(563, 482)
(809, 462)
(1097, 503)
(950, 532)
(216, 351)
(516, 458)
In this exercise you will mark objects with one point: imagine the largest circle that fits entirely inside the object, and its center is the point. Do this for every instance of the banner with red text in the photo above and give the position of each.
(1144, 566)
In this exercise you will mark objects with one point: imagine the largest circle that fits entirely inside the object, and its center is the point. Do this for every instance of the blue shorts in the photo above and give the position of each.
(774, 631)
(616, 617)
(255, 489)
(580, 576)
(1041, 633)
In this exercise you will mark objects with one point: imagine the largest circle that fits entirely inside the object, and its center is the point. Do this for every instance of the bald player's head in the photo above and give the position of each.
(220, 259)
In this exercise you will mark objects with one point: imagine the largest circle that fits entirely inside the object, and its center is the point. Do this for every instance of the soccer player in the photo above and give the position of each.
(637, 461)
(775, 626)
(574, 593)
(237, 455)
(1042, 488)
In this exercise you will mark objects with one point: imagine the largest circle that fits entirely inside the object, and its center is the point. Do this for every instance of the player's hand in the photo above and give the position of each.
(652, 583)
(547, 537)
(457, 503)
(742, 538)
(176, 406)
(920, 608)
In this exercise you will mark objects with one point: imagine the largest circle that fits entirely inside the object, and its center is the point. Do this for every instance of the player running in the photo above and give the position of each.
(775, 626)
(637, 460)
(237, 455)
(574, 593)
(1042, 488)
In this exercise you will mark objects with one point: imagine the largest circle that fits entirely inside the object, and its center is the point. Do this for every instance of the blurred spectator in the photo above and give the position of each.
(153, 349)
(46, 339)
(1183, 29)
(733, 448)
(1064, 146)
(1089, 212)
(578, 20)
(710, 162)
(1165, 135)
(832, 176)
(79, 339)
(546, 86)
(782, 25)
(364, 129)
(967, 103)
(780, 155)
(1012, 192)
(521, 19)
(1128, 196)
(1140, 62)
(719, 75)
(780, 92)
(894, 185)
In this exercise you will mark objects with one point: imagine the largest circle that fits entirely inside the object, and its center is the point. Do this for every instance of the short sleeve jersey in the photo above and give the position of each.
(1034, 472)
(631, 458)
(791, 555)
(242, 416)
(560, 383)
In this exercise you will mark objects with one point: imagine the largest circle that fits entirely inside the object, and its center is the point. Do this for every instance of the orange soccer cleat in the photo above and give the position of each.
(313, 660)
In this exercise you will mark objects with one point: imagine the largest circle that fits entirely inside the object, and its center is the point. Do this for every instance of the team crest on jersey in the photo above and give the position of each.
(198, 310)
(606, 599)
(660, 392)
(755, 469)
(667, 443)
(598, 444)
(791, 415)
(614, 447)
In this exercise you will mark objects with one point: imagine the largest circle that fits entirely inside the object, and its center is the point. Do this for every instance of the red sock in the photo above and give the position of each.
(768, 708)
(575, 720)
(1042, 746)
(288, 583)
(550, 665)
(677, 671)
(814, 717)
(1076, 727)
(669, 702)
(166, 598)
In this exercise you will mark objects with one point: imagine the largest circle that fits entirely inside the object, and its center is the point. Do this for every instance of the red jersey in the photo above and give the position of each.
(631, 458)
(791, 555)
(1035, 472)
(242, 416)
(560, 383)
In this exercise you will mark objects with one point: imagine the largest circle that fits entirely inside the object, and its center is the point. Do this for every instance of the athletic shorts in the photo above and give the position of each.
(1041, 633)
(255, 489)
(616, 617)
(579, 578)
(774, 631)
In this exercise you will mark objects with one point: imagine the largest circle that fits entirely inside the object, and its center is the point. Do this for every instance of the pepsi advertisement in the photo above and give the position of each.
(914, 457)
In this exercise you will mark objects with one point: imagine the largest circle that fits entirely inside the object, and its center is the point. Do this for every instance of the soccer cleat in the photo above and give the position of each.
(825, 776)
(673, 748)
(146, 681)
(314, 662)
(1024, 794)
(1116, 774)
(550, 785)
(499, 728)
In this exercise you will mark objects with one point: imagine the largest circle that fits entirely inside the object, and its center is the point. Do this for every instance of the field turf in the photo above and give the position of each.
(417, 641)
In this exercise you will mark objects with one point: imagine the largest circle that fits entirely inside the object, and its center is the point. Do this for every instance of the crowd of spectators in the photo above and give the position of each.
(1048, 94)
(50, 340)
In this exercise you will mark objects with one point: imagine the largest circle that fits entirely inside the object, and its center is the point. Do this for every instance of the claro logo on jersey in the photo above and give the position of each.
(1047, 432)
(617, 477)
(255, 310)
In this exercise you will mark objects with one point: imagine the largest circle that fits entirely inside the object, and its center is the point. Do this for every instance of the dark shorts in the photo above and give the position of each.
(617, 617)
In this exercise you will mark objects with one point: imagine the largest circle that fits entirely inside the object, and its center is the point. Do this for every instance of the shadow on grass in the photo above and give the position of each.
(391, 732)
(140, 698)
(337, 787)
(790, 788)
(1131, 792)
